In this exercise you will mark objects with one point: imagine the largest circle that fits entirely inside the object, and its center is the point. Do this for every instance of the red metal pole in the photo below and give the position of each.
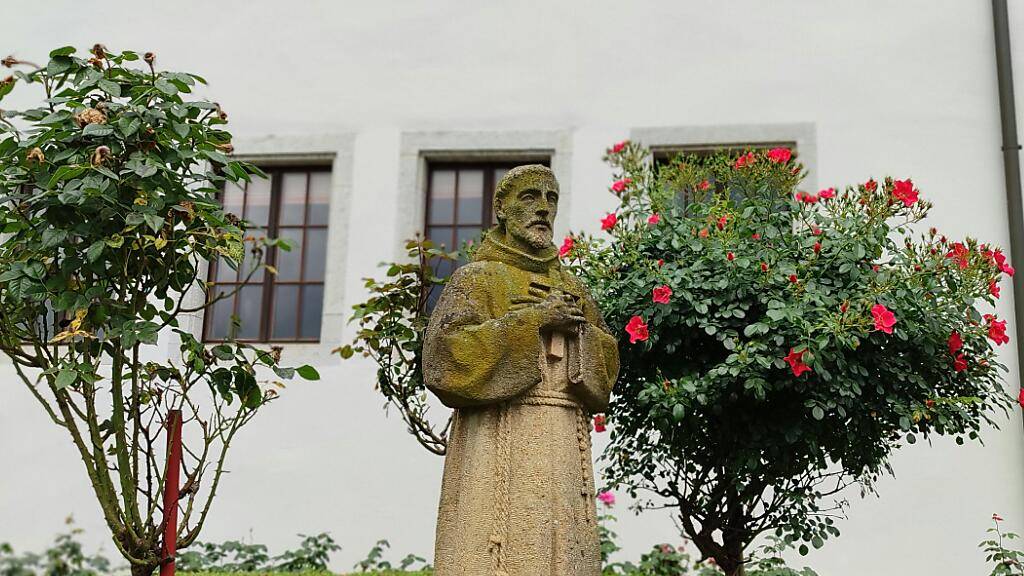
(171, 487)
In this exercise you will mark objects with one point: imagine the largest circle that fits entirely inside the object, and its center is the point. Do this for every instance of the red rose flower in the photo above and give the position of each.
(608, 222)
(796, 363)
(993, 288)
(815, 231)
(755, 236)
(730, 256)
(654, 219)
(955, 343)
(599, 423)
(959, 363)
(884, 318)
(779, 155)
(619, 146)
(904, 191)
(567, 246)
(703, 233)
(792, 278)
(661, 262)
(744, 161)
(764, 266)
(1008, 270)
(806, 197)
(844, 307)
(662, 294)
(817, 247)
(827, 193)
(996, 329)
(929, 403)
(619, 186)
(876, 268)
(997, 517)
(722, 221)
(870, 185)
(637, 330)
(704, 185)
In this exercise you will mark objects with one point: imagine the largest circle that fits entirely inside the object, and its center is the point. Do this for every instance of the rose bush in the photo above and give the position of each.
(109, 217)
(777, 345)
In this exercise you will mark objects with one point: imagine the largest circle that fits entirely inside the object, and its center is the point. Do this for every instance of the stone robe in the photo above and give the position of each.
(518, 492)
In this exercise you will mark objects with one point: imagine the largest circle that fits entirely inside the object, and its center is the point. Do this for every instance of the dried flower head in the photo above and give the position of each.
(36, 155)
(99, 50)
(149, 57)
(90, 116)
(9, 61)
(100, 155)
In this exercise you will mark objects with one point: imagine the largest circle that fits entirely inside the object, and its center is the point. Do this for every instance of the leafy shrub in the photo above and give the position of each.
(109, 215)
(776, 345)
(1007, 562)
(375, 562)
(313, 554)
(65, 557)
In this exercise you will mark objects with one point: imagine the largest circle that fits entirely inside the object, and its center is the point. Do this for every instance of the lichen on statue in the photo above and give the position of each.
(518, 348)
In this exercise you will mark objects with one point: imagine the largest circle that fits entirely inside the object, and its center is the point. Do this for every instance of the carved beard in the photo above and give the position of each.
(534, 237)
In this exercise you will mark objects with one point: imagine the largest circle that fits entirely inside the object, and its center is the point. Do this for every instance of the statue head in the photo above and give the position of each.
(525, 204)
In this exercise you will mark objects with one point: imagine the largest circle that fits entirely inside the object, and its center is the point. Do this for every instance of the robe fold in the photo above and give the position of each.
(517, 497)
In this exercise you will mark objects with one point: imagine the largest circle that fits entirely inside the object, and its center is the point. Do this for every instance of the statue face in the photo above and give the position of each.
(529, 210)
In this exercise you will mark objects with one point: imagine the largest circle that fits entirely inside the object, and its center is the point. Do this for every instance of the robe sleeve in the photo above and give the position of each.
(471, 358)
(597, 367)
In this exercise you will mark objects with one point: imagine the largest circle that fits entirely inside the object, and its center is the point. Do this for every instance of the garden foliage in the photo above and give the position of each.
(109, 216)
(778, 345)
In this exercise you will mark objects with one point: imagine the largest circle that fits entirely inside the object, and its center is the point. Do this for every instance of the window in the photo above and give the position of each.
(702, 154)
(291, 204)
(459, 196)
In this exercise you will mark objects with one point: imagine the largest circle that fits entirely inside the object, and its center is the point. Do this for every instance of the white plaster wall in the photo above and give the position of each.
(904, 88)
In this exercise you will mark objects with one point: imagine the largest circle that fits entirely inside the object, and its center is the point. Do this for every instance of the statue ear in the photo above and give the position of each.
(499, 210)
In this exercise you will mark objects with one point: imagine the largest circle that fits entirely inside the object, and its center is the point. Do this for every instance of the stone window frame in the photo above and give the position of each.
(417, 149)
(335, 151)
(697, 137)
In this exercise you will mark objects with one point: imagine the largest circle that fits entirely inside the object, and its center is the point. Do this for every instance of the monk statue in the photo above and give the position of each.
(518, 348)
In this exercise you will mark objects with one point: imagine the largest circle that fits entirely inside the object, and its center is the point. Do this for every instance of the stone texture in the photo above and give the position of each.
(518, 348)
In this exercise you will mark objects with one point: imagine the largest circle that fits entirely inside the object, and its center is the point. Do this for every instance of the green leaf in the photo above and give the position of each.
(98, 130)
(63, 51)
(166, 86)
(223, 352)
(181, 129)
(308, 372)
(66, 377)
(155, 222)
(110, 87)
(95, 250)
(818, 413)
(678, 411)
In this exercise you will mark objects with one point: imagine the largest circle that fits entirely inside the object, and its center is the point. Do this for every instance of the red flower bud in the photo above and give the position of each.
(792, 278)
(730, 256)
(764, 266)
(817, 247)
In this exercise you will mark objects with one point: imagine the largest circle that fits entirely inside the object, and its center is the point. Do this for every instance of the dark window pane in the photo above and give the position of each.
(466, 234)
(312, 310)
(250, 308)
(289, 263)
(441, 236)
(316, 254)
(257, 201)
(442, 197)
(293, 198)
(232, 198)
(225, 273)
(249, 262)
(220, 316)
(471, 196)
(319, 198)
(286, 304)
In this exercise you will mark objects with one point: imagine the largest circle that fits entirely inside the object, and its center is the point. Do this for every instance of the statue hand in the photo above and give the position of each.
(556, 314)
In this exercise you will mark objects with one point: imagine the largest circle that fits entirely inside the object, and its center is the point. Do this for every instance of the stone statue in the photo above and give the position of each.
(519, 349)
